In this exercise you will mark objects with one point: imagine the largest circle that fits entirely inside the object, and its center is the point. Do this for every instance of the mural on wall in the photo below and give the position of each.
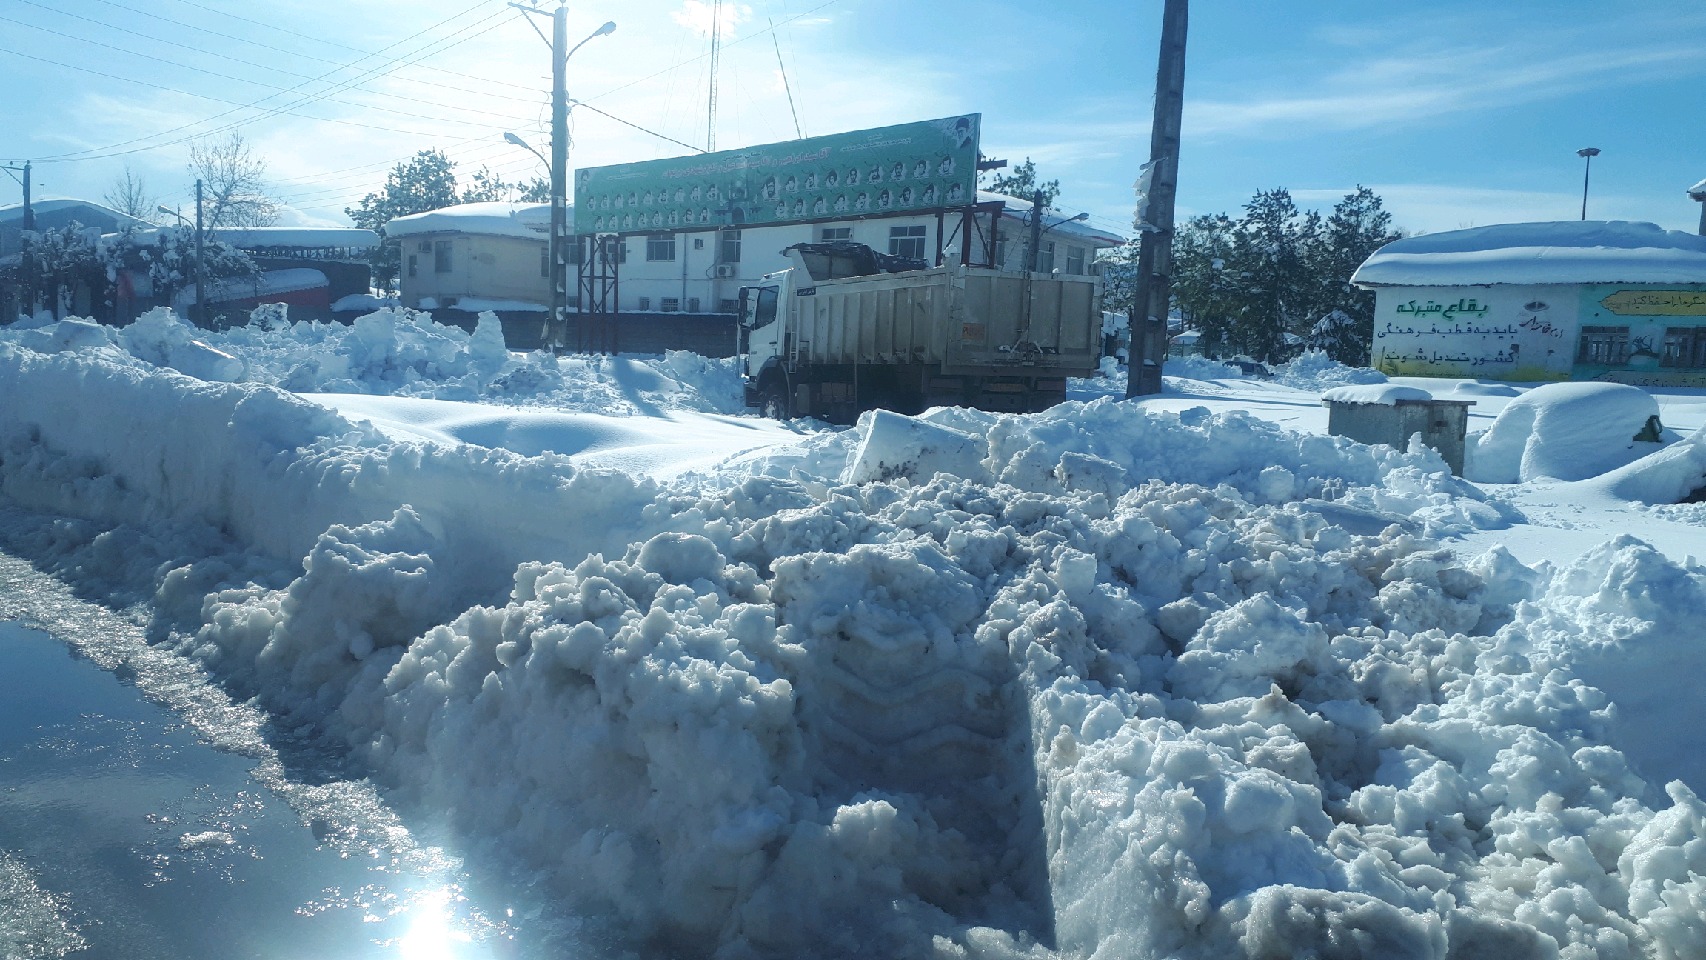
(1645, 336)
(912, 167)
(1502, 333)
(1641, 335)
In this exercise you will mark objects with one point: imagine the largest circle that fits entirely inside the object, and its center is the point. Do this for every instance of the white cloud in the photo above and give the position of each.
(1449, 80)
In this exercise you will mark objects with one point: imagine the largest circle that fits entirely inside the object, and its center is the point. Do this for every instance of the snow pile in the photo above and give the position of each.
(1670, 475)
(395, 352)
(1313, 370)
(1565, 431)
(1195, 367)
(1091, 683)
(1383, 394)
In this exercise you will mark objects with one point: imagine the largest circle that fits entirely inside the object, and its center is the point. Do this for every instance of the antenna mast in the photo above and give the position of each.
(716, 50)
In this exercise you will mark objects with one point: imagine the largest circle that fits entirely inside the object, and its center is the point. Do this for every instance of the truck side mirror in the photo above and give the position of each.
(744, 317)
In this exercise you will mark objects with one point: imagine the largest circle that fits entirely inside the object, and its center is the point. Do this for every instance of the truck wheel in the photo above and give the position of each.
(773, 403)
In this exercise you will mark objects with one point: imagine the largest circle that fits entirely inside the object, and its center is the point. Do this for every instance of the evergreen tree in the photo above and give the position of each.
(1355, 230)
(1247, 284)
(426, 182)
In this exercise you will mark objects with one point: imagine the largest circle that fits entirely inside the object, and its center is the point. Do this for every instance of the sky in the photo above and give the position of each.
(1455, 113)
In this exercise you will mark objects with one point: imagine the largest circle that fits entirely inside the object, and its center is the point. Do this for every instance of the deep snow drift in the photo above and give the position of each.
(1098, 682)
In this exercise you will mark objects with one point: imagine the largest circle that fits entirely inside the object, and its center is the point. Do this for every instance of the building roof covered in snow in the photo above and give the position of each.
(490, 218)
(1568, 251)
(87, 212)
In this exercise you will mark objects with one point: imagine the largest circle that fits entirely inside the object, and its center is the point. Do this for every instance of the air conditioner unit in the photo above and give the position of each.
(726, 271)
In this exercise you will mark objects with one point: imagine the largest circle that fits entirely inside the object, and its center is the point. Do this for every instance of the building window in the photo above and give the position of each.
(1045, 257)
(412, 265)
(728, 248)
(645, 303)
(1075, 261)
(906, 242)
(441, 256)
(1606, 346)
(1000, 250)
(545, 261)
(698, 243)
(425, 246)
(671, 304)
(727, 305)
(573, 303)
(660, 247)
(832, 234)
(1684, 347)
(692, 304)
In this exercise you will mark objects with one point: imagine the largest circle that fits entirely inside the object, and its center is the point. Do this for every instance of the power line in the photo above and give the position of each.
(221, 56)
(258, 83)
(101, 153)
(323, 41)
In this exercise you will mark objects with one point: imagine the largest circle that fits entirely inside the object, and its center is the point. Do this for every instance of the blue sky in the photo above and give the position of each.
(1456, 113)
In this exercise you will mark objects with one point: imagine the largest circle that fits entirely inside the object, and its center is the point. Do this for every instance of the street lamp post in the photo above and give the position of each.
(1697, 193)
(560, 159)
(1587, 154)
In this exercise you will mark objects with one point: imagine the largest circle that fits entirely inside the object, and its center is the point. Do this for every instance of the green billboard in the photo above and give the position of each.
(911, 167)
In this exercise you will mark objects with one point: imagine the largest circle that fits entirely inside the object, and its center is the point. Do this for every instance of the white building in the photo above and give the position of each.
(1582, 300)
(475, 256)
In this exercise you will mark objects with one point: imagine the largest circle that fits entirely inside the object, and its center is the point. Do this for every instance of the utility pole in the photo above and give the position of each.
(29, 226)
(1587, 154)
(200, 263)
(559, 175)
(1155, 249)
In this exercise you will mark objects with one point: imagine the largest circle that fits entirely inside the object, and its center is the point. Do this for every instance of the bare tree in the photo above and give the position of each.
(233, 183)
(129, 195)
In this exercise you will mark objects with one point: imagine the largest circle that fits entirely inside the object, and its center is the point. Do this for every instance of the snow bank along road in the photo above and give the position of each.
(1098, 682)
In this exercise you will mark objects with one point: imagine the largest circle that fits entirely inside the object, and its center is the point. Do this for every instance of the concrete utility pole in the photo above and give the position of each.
(200, 264)
(559, 176)
(29, 225)
(1155, 248)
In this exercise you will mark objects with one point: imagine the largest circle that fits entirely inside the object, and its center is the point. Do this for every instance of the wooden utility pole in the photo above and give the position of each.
(27, 294)
(1155, 249)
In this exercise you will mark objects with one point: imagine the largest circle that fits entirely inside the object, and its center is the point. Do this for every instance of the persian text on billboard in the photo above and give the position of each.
(929, 165)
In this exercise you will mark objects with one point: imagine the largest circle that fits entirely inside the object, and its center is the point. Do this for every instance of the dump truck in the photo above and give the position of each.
(846, 329)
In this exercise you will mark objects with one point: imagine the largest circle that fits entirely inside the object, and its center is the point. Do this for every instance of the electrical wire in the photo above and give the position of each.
(101, 153)
(212, 53)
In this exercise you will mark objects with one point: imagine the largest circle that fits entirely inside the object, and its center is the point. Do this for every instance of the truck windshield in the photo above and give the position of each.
(765, 312)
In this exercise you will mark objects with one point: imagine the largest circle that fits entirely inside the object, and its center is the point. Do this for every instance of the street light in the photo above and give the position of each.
(523, 144)
(1697, 193)
(559, 162)
(1587, 154)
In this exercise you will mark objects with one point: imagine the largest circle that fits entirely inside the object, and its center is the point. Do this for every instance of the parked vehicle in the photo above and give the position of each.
(847, 329)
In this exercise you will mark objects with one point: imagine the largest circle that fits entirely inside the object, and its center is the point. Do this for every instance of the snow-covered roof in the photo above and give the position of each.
(15, 211)
(1020, 209)
(495, 218)
(1569, 251)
